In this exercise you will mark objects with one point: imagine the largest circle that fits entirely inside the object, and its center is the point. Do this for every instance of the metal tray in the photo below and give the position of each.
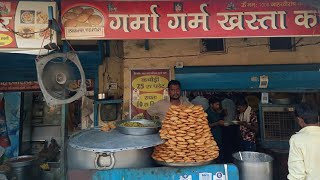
(96, 140)
(178, 164)
(139, 131)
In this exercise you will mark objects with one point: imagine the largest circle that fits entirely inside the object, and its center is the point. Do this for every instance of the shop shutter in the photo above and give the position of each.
(21, 67)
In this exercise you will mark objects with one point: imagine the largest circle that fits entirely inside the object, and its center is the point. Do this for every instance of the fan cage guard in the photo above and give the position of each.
(41, 63)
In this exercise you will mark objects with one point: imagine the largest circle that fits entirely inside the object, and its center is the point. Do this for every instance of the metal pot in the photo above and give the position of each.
(253, 165)
(102, 96)
(23, 167)
(4, 171)
(82, 159)
(94, 149)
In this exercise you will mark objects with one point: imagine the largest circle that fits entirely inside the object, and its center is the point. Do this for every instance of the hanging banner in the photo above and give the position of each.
(147, 87)
(34, 85)
(84, 19)
(24, 24)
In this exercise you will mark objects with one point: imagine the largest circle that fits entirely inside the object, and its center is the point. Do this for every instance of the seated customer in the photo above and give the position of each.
(305, 145)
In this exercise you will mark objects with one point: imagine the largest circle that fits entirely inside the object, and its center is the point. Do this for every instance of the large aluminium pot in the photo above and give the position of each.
(82, 159)
(253, 165)
(94, 149)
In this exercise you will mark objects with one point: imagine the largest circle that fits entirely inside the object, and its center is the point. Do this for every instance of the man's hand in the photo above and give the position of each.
(221, 122)
(243, 123)
(146, 115)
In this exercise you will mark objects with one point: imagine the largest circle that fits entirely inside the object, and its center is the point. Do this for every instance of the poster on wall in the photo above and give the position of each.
(11, 121)
(24, 25)
(115, 19)
(148, 86)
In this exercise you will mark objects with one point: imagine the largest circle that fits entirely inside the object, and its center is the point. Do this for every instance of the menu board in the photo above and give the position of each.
(148, 86)
(83, 21)
(24, 24)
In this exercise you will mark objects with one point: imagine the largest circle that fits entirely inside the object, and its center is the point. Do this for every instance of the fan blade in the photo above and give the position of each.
(56, 73)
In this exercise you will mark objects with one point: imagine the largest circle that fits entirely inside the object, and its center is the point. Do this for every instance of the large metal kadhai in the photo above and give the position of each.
(151, 127)
(95, 149)
(97, 141)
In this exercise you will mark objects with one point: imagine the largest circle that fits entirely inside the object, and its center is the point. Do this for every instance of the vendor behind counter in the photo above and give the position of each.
(161, 108)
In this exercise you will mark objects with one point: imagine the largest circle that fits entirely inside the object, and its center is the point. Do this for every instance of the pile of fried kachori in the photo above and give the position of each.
(82, 17)
(188, 137)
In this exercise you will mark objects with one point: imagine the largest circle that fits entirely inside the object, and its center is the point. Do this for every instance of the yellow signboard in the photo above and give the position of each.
(150, 83)
(147, 87)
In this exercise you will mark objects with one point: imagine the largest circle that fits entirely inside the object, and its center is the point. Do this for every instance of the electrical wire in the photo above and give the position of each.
(62, 32)
(163, 57)
(20, 33)
(44, 37)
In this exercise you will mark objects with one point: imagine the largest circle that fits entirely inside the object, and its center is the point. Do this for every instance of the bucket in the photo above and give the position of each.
(22, 168)
(253, 165)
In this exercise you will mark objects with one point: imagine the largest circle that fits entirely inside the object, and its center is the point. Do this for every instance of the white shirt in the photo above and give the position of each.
(230, 106)
(199, 100)
(304, 155)
(161, 107)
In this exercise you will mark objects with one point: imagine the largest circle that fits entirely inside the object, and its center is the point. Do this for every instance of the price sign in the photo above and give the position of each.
(147, 87)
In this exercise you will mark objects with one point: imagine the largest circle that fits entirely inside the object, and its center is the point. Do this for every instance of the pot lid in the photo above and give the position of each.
(98, 141)
(21, 161)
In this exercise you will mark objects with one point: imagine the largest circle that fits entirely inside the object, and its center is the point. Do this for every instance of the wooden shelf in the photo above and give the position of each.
(44, 125)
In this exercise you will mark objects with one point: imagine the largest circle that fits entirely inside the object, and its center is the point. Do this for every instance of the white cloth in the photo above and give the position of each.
(303, 162)
(246, 115)
(199, 100)
(161, 107)
(229, 106)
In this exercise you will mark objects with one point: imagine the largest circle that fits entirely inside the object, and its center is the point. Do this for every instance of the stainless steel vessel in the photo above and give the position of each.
(253, 165)
(82, 159)
(23, 168)
(94, 149)
(152, 127)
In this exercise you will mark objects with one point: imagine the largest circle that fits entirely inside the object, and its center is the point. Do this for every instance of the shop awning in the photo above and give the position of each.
(21, 67)
(295, 78)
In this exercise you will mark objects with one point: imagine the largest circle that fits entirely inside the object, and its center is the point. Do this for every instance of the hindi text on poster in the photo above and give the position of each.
(147, 87)
(150, 83)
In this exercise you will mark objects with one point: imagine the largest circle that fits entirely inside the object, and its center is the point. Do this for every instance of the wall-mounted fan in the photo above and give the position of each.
(58, 77)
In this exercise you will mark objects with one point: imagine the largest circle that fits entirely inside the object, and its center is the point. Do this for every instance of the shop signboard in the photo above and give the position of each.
(148, 86)
(116, 19)
(34, 85)
(24, 25)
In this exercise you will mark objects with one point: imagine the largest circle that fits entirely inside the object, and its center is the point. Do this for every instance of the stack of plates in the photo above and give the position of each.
(231, 123)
